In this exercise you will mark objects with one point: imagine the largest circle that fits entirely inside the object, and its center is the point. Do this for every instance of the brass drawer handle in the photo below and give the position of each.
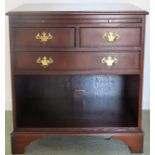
(109, 61)
(44, 37)
(44, 61)
(110, 37)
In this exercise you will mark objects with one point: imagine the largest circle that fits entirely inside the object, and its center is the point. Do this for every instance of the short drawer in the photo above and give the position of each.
(44, 38)
(110, 37)
(73, 61)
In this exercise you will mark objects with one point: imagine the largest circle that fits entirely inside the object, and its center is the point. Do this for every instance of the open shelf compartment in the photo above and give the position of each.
(76, 101)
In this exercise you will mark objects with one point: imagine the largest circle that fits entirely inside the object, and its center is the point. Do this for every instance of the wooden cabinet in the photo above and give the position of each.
(77, 71)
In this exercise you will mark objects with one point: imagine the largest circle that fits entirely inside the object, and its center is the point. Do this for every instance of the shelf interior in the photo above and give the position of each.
(76, 101)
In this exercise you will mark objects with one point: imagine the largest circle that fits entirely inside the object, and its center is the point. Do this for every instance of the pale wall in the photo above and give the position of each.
(144, 4)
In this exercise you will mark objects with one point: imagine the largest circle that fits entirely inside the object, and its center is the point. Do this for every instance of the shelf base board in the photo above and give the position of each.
(20, 140)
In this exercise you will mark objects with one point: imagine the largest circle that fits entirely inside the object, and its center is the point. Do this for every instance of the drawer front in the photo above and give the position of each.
(44, 37)
(110, 37)
(72, 61)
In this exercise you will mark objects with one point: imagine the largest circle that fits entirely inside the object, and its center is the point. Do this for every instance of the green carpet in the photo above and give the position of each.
(79, 145)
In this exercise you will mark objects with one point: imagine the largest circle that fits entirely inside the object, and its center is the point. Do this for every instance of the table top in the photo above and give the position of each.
(78, 7)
